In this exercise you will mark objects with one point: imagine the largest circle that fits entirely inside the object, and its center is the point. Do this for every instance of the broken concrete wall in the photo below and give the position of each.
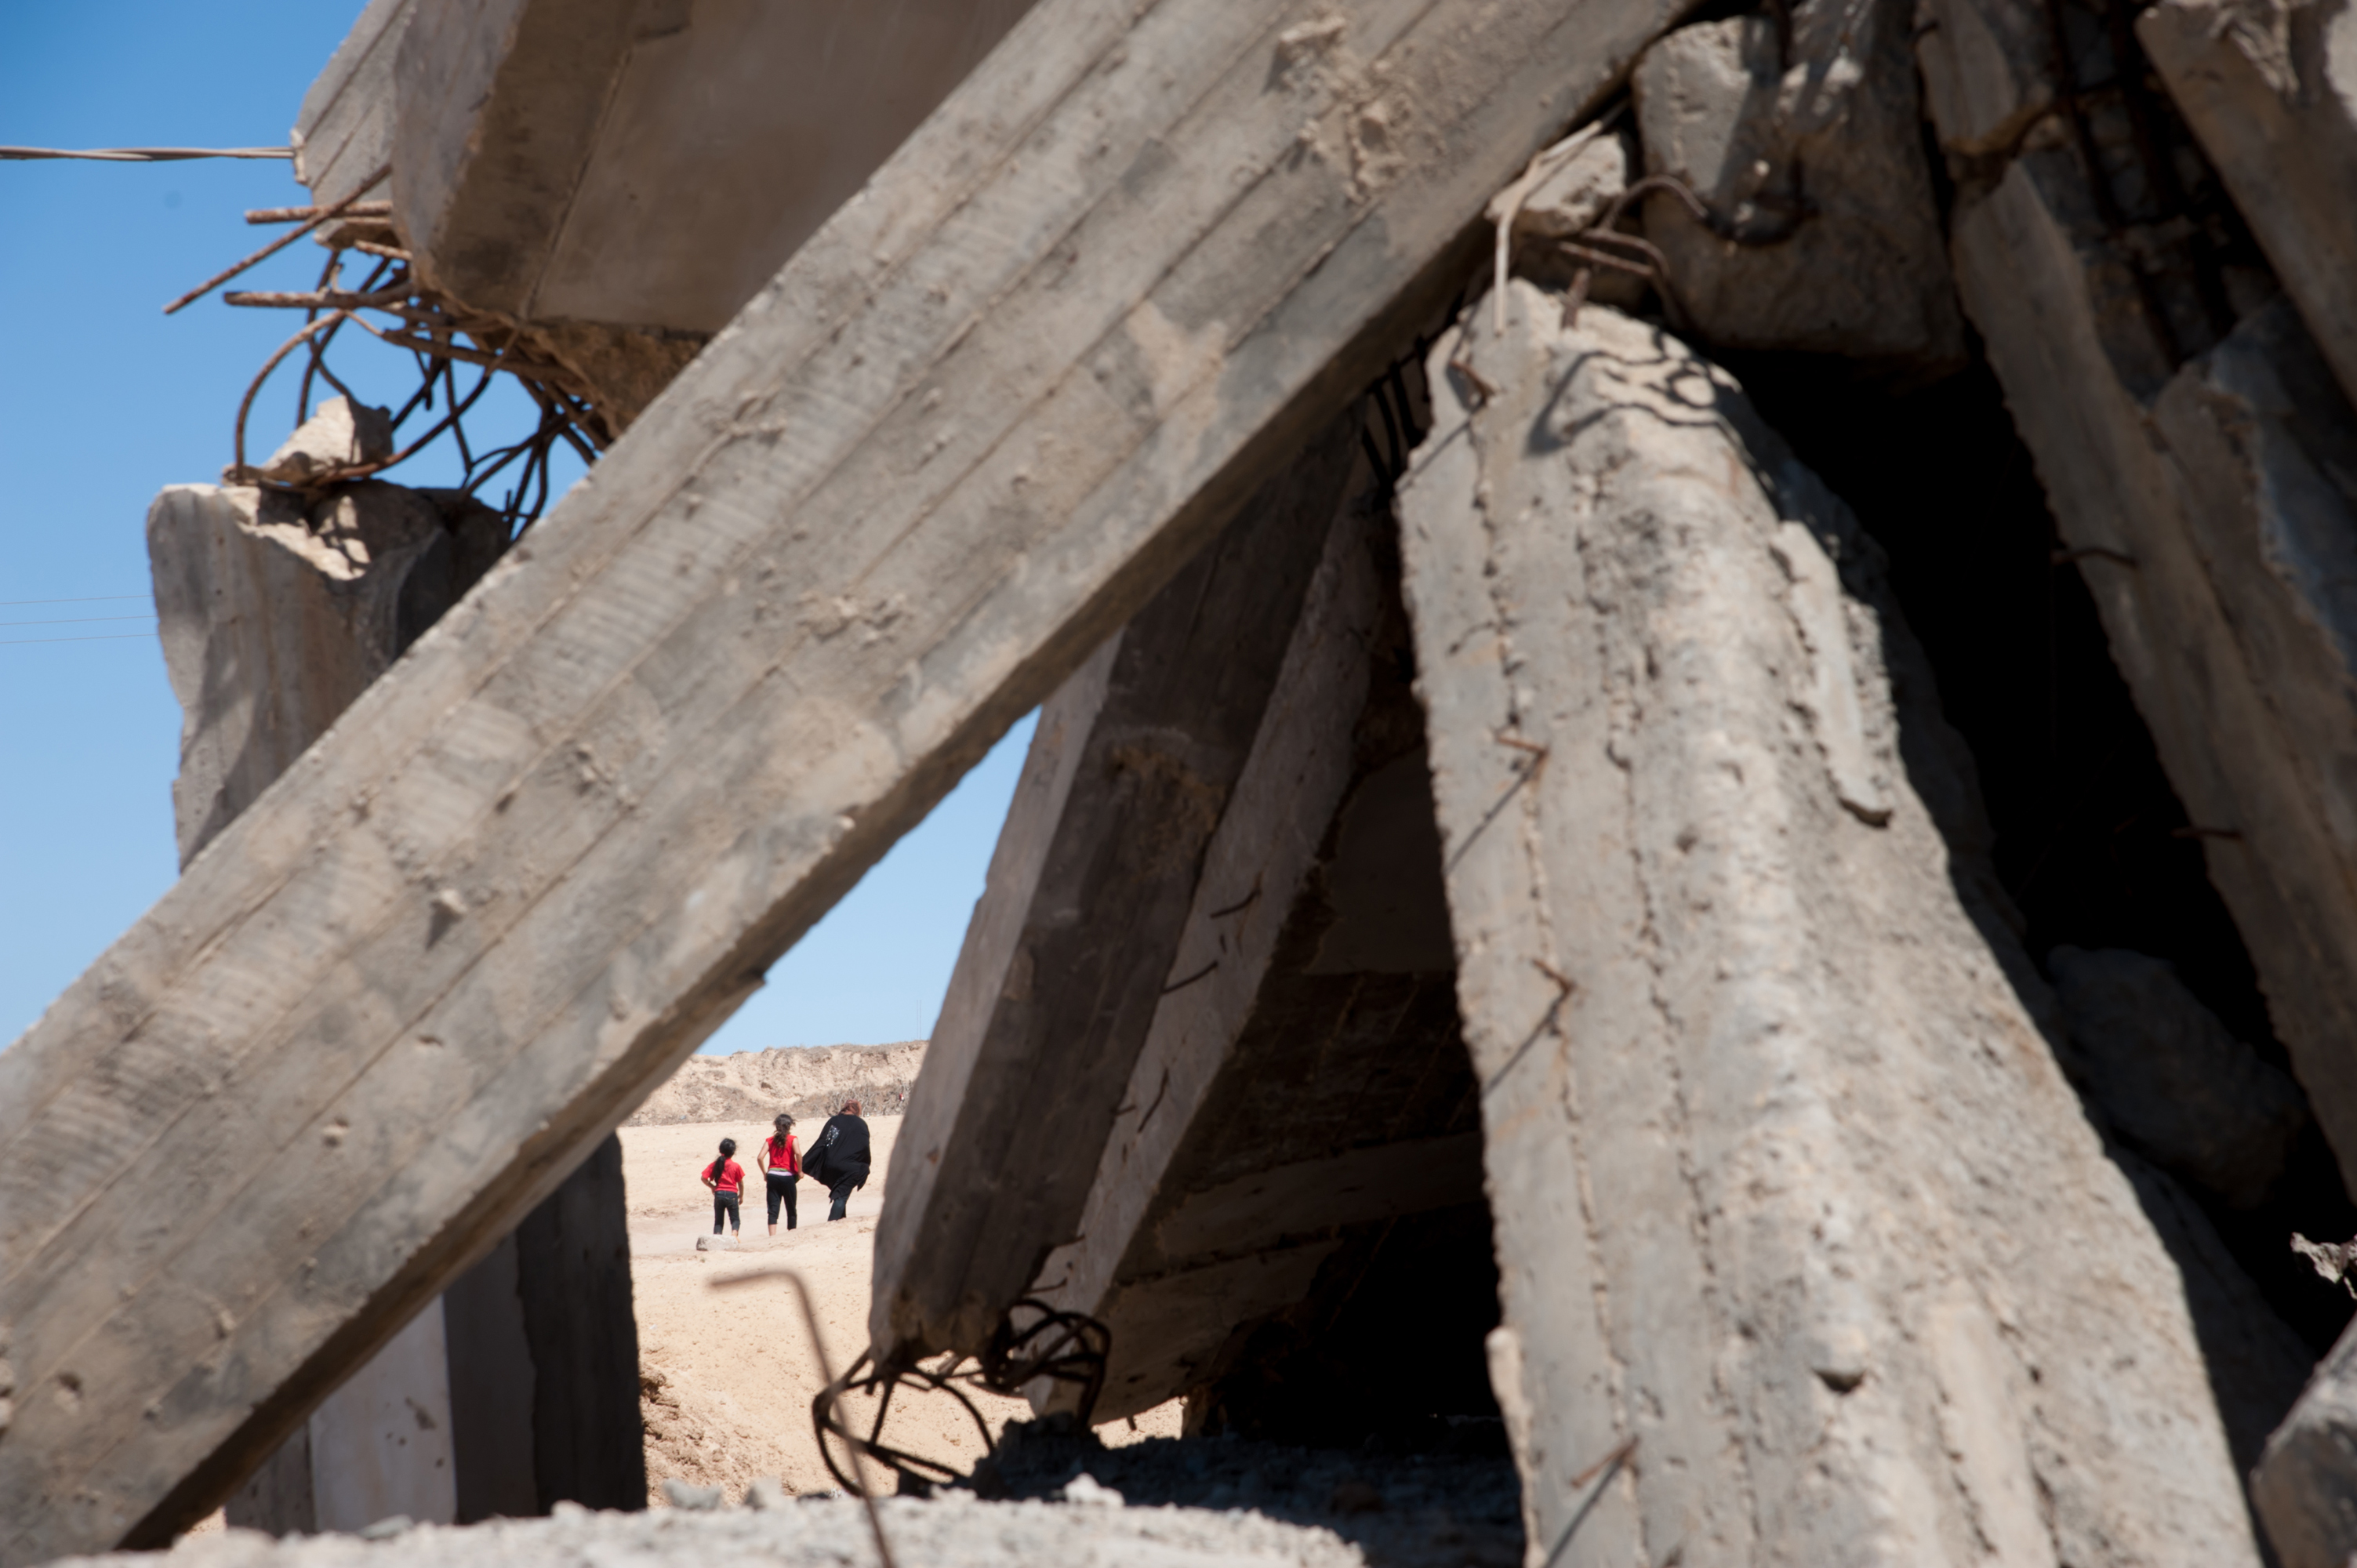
(274, 618)
(1790, 1191)
(2154, 385)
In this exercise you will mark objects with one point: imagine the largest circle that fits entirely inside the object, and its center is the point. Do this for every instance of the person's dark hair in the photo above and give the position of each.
(783, 1121)
(728, 1147)
(851, 1108)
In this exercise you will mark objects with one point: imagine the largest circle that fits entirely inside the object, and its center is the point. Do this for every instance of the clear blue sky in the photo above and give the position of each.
(105, 401)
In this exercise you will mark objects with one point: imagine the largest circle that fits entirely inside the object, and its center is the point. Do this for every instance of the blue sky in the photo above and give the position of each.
(105, 401)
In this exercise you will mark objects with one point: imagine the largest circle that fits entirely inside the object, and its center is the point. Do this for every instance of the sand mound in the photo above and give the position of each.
(801, 1080)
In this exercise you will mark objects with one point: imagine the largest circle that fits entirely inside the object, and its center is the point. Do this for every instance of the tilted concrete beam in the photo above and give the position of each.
(1131, 768)
(1796, 1213)
(1303, 1076)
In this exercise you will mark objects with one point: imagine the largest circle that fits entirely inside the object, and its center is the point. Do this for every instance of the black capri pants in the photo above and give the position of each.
(781, 1190)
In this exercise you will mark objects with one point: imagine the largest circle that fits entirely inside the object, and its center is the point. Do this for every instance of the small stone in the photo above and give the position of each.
(338, 436)
(695, 1499)
(768, 1493)
(387, 1528)
(1086, 1489)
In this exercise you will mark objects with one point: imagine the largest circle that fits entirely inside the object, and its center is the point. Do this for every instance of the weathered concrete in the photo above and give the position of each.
(1131, 768)
(2168, 1078)
(272, 622)
(1800, 131)
(652, 164)
(339, 435)
(2270, 87)
(1302, 1089)
(967, 432)
(1788, 1187)
(954, 1531)
(2305, 1485)
(2201, 504)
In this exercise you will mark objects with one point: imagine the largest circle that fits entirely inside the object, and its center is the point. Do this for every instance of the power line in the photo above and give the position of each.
(90, 599)
(75, 620)
(145, 154)
(109, 637)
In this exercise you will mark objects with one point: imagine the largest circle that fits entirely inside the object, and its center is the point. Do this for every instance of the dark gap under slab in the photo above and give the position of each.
(2088, 831)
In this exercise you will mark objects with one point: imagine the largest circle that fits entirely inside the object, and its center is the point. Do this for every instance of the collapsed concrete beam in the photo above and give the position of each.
(1130, 770)
(647, 163)
(2271, 90)
(1303, 1073)
(965, 435)
(2201, 500)
(1772, 1139)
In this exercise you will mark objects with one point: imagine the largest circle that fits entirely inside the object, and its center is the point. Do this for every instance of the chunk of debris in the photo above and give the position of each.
(341, 434)
(1799, 131)
(2171, 1079)
(2304, 1482)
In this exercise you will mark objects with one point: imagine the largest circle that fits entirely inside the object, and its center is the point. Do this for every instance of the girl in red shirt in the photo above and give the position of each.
(781, 1168)
(726, 1178)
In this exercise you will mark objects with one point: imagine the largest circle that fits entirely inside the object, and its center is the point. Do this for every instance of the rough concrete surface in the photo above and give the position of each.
(1802, 136)
(952, 1531)
(803, 1082)
(1789, 1186)
(275, 616)
(2191, 472)
(2305, 1484)
(2171, 1079)
(2270, 87)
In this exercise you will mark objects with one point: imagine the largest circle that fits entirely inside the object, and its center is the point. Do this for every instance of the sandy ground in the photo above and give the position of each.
(727, 1369)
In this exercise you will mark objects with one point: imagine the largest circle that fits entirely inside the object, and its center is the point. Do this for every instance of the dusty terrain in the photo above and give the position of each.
(727, 1372)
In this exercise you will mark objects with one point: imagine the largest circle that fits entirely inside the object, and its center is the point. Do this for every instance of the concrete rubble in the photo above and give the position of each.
(954, 1531)
(1497, 987)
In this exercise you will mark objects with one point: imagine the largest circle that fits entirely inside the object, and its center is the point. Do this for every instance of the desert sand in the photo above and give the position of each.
(727, 1369)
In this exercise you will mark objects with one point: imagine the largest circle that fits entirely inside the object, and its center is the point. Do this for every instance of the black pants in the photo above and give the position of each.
(841, 1188)
(724, 1205)
(781, 1190)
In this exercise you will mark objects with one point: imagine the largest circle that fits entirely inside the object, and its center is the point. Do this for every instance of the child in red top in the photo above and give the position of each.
(726, 1178)
(781, 1168)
